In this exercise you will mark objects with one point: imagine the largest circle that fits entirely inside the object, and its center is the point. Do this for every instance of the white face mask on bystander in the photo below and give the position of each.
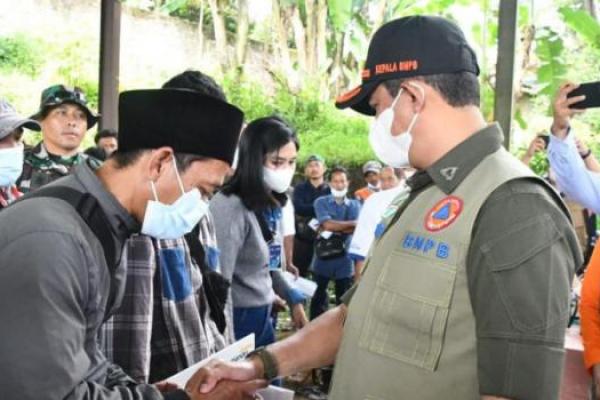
(11, 165)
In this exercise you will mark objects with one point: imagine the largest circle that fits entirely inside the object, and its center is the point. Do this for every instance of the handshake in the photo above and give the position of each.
(221, 380)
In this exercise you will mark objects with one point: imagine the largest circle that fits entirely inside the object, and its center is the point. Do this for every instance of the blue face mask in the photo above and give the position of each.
(172, 221)
(11, 165)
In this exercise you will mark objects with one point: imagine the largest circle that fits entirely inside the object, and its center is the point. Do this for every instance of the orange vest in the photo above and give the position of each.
(363, 194)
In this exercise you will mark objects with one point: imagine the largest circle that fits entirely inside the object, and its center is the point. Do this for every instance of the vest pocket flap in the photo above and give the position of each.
(408, 312)
(499, 259)
(428, 282)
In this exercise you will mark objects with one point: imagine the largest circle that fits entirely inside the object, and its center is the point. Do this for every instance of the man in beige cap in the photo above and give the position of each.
(11, 150)
(370, 171)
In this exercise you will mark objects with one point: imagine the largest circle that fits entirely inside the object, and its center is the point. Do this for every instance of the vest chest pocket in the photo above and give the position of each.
(408, 312)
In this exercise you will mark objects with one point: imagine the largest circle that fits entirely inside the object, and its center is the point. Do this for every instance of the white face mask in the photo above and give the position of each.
(172, 221)
(11, 165)
(374, 187)
(392, 150)
(339, 194)
(278, 180)
(236, 158)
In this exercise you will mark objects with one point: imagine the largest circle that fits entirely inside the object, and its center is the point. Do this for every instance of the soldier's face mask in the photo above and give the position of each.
(172, 221)
(11, 165)
(392, 150)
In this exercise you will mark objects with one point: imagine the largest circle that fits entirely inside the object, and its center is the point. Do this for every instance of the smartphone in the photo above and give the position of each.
(591, 91)
(545, 138)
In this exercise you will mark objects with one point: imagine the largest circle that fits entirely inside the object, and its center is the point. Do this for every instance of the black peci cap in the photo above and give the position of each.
(184, 120)
(407, 47)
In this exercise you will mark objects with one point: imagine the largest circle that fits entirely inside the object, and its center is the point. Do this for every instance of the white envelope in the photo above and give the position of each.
(326, 234)
(307, 287)
(237, 351)
(314, 224)
(276, 393)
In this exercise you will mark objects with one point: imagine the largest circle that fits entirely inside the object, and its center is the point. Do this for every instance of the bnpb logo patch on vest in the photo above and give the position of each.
(443, 214)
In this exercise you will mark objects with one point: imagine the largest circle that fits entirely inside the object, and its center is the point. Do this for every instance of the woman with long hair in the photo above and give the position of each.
(248, 221)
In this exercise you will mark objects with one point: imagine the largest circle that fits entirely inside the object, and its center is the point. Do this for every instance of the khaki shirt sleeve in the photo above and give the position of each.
(520, 266)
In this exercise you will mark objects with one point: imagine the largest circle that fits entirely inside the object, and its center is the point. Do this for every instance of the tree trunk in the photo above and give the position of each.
(337, 71)
(201, 29)
(283, 50)
(311, 36)
(379, 15)
(590, 6)
(322, 47)
(300, 39)
(321, 34)
(220, 33)
(527, 42)
(242, 34)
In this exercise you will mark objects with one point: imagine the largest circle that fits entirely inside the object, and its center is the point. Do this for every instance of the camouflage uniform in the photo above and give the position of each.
(41, 167)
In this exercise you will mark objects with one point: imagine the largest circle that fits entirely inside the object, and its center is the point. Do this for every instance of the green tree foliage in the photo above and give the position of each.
(548, 51)
(584, 24)
(338, 136)
(21, 53)
(552, 70)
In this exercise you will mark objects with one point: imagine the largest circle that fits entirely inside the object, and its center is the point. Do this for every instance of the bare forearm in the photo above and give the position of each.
(314, 346)
(339, 226)
(358, 267)
(526, 159)
(350, 230)
(592, 164)
(288, 247)
(494, 398)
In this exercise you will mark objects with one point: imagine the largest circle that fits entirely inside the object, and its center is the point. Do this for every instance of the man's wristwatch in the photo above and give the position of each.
(587, 154)
(270, 366)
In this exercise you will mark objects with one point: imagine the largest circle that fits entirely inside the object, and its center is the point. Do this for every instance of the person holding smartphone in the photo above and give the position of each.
(539, 143)
(574, 166)
(577, 175)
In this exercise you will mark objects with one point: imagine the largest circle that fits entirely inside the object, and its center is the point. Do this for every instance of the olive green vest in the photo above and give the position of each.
(410, 331)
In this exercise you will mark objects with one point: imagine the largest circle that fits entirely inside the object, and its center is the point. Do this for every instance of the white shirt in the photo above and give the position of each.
(572, 177)
(287, 219)
(370, 215)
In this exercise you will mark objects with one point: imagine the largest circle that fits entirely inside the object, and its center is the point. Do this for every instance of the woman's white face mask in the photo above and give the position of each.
(278, 180)
(392, 150)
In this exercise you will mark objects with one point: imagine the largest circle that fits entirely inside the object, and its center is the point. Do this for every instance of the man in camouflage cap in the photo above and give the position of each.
(65, 118)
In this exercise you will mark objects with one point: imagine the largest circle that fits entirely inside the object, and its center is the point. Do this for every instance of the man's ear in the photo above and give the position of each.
(416, 89)
(159, 161)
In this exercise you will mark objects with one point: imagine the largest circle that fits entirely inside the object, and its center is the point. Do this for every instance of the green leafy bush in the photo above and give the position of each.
(338, 136)
(21, 53)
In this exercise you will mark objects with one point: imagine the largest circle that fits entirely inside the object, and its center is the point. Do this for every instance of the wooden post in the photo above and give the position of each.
(505, 67)
(110, 44)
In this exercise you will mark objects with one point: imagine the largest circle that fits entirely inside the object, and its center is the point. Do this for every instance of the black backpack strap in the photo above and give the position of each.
(88, 208)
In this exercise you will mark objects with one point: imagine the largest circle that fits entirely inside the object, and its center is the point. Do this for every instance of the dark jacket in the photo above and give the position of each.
(54, 295)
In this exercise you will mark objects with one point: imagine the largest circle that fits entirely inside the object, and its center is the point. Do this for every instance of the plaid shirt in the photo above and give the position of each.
(163, 324)
(8, 195)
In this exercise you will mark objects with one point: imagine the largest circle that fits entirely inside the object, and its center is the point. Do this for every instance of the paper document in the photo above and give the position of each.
(307, 287)
(326, 234)
(235, 352)
(276, 393)
(314, 224)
